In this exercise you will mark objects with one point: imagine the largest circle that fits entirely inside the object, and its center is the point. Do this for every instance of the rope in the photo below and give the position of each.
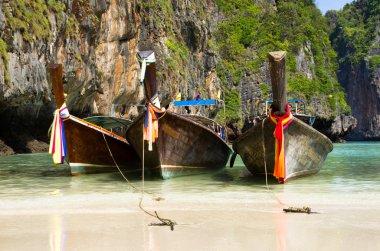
(264, 154)
(265, 165)
(164, 222)
(117, 166)
(143, 167)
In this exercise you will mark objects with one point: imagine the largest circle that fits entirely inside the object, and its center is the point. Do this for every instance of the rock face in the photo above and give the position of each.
(305, 61)
(97, 41)
(361, 82)
(359, 67)
(336, 128)
(363, 92)
(362, 85)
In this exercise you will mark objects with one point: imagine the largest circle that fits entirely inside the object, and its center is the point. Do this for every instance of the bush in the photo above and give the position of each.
(374, 62)
(30, 18)
(4, 57)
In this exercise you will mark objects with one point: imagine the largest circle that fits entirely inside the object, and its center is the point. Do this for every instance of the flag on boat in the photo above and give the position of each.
(152, 115)
(178, 97)
(219, 95)
(57, 145)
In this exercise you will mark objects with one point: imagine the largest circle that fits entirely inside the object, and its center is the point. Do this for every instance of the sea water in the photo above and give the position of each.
(42, 207)
(350, 168)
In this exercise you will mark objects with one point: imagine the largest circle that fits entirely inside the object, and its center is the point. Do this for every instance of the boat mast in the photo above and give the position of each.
(277, 68)
(150, 82)
(57, 85)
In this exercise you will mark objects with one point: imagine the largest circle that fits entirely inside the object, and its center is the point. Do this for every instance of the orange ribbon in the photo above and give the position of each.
(281, 123)
(151, 124)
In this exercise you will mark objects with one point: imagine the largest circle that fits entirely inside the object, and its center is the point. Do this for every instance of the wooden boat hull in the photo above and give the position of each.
(88, 151)
(305, 149)
(183, 147)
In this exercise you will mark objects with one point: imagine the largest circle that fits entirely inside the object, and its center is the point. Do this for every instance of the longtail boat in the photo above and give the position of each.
(174, 144)
(87, 147)
(281, 144)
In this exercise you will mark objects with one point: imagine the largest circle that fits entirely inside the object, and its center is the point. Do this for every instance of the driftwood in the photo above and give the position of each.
(306, 210)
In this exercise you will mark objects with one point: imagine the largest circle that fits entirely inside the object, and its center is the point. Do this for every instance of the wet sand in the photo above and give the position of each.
(221, 221)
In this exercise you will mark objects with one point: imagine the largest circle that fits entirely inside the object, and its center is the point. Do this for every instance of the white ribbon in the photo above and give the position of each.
(144, 62)
(64, 112)
(143, 69)
(156, 102)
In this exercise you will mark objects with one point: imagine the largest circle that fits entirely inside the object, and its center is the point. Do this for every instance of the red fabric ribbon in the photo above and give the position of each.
(281, 122)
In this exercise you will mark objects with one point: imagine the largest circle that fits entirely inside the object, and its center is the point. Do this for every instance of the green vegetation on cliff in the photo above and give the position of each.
(179, 53)
(170, 20)
(163, 19)
(4, 57)
(30, 17)
(374, 62)
(56, 6)
(251, 30)
(353, 30)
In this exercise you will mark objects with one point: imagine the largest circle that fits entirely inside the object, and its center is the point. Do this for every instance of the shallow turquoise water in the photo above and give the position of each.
(48, 209)
(350, 168)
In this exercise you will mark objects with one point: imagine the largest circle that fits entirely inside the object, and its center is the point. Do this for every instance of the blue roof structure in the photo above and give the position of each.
(199, 102)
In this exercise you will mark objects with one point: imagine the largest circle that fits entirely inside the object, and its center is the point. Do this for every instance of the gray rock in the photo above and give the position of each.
(2, 18)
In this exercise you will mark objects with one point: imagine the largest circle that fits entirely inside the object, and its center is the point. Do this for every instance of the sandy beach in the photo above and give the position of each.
(220, 222)
(43, 209)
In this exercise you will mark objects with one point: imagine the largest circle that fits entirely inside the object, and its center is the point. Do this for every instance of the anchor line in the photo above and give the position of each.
(164, 222)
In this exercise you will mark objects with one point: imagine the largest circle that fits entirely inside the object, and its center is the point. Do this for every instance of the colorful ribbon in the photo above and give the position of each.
(58, 139)
(281, 122)
(152, 116)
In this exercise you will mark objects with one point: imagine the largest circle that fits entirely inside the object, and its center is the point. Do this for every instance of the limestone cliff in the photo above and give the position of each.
(97, 41)
(355, 35)
(363, 90)
(362, 84)
(296, 27)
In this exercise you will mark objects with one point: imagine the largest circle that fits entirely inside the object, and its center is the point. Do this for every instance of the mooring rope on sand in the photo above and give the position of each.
(164, 222)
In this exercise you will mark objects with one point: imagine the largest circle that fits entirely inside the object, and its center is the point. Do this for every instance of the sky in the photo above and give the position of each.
(325, 5)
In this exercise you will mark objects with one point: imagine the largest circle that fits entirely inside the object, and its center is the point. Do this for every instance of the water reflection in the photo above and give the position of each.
(57, 238)
(281, 222)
